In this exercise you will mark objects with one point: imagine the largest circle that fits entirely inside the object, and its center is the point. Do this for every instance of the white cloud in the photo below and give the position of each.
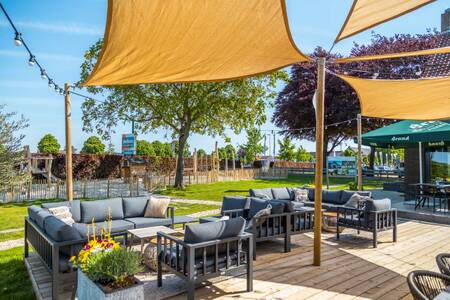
(50, 56)
(73, 28)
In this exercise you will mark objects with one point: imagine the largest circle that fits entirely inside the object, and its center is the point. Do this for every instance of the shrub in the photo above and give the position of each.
(353, 186)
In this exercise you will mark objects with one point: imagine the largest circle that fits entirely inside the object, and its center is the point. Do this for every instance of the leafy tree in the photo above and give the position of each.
(93, 145)
(293, 106)
(48, 144)
(227, 152)
(183, 108)
(201, 152)
(145, 148)
(287, 149)
(11, 153)
(302, 155)
(349, 152)
(185, 151)
(252, 147)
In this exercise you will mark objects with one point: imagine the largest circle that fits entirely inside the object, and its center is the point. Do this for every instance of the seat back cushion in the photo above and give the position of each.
(134, 206)
(288, 205)
(74, 206)
(378, 204)
(256, 204)
(333, 197)
(277, 207)
(310, 194)
(365, 193)
(100, 209)
(41, 216)
(197, 233)
(261, 193)
(236, 202)
(281, 194)
(32, 212)
(60, 231)
(157, 207)
(346, 195)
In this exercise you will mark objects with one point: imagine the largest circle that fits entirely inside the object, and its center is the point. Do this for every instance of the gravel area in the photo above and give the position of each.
(191, 201)
(11, 244)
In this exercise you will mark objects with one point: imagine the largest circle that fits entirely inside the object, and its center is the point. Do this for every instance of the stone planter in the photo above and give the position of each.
(88, 290)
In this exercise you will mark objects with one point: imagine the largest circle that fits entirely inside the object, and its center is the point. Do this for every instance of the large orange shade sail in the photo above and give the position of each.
(423, 99)
(193, 40)
(366, 14)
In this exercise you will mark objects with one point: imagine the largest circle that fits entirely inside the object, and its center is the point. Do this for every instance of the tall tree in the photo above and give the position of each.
(145, 148)
(93, 145)
(48, 144)
(11, 152)
(183, 108)
(293, 106)
(287, 149)
(252, 147)
(227, 152)
(302, 155)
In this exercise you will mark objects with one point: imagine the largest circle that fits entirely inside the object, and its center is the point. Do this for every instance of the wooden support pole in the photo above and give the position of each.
(320, 107)
(359, 129)
(68, 112)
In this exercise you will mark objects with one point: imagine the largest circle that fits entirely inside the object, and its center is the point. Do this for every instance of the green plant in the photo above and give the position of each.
(48, 144)
(353, 186)
(93, 145)
(114, 268)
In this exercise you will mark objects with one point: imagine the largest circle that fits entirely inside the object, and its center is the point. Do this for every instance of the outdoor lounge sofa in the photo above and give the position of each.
(55, 241)
(284, 221)
(208, 250)
(375, 216)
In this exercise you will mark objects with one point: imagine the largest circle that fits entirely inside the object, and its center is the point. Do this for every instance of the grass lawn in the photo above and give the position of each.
(215, 191)
(14, 282)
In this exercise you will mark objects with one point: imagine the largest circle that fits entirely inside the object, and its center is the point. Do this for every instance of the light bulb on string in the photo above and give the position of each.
(418, 71)
(43, 75)
(50, 83)
(61, 91)
(56, 88)
(375, 75)
(31, 61)
(18, 39)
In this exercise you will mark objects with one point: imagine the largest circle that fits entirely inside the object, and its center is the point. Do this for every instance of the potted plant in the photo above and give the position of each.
(107, 271)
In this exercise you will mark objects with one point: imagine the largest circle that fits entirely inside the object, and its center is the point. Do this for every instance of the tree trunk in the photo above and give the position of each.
(182, 138)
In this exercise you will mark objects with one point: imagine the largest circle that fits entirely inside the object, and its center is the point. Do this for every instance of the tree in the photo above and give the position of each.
(287, 149)
(201, 152)
(93, 145)
(252, 147)
(294, 111)
(48, 144)
(227, 152)
(349, 152)
(183, 108)
(11, 153)
(302, 155)
(145, 148)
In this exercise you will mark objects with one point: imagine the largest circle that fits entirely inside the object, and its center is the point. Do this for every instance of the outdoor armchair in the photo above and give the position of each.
(443, 262)
(426, 285)
(196, 262)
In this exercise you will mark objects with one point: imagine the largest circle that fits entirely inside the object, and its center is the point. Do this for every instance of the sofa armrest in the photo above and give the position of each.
(171, 214)
(233, 213)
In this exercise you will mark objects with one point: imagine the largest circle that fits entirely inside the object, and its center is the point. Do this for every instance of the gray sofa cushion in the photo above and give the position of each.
(310, 194)
(288, 205)
(261, 193)
(230, 203)
(333, 197)
(74, 208)
(141, 222)
(134, 206)
(378, 204)
(32, 212)
(277, 207)
(256, 205)
(346, 195)
(197, 233)
(116, 227)
(60, 231)
(365, 193)
(281, 194)
(99, 210)
(41, 216)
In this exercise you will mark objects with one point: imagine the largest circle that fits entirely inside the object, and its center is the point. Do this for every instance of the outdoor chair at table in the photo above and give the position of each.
(427, 285)
(443, 262)
(208, 250)
(376, 216)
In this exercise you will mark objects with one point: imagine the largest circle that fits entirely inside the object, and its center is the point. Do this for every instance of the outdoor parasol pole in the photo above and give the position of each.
(359, 125)
(68, 112)
(319, 158)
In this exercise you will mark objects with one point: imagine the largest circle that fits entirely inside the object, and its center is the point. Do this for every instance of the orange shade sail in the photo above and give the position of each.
(394, 55)
(192, 41)
(366, 14)
(422, 99)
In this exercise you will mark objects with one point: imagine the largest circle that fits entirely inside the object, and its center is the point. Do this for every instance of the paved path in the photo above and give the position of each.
(191, 201)
(11, 230)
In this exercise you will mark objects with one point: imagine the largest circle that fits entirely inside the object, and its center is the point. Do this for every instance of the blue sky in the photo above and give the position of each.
(59, 32)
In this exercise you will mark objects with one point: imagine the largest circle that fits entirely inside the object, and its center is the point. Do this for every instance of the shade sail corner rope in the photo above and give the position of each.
(193, 42)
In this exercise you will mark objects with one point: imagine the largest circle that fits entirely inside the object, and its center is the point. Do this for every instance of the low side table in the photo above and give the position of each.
(184, 220)
(329, 222)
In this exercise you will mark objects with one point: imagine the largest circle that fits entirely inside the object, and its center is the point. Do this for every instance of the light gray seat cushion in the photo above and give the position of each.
(265, 193)
(281, 194)
(378, 204)
(99, 210)
(134, 206)
(141, 222)
(197, 233)
(60, 231)
(256, 205)
(74, 206)
(116, 227)
(237, 202)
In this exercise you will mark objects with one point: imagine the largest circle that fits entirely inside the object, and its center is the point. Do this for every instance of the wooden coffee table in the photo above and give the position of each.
(329, 220)
(147, 234)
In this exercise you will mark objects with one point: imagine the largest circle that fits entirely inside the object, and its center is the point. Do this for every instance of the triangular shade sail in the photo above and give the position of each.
(193, 40)
(408, 132)
(366, 14)
(394, 55)
(422, 99)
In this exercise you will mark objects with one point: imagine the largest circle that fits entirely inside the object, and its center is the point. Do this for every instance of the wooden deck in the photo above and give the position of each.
(351, 268)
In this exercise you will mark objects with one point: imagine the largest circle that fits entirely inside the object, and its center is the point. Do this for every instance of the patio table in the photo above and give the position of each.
(439, 191)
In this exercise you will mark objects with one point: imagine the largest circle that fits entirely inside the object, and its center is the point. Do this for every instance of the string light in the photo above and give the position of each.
(18, 39)
(375, 75)
(43, 75)
(31, 61)
(50, 83)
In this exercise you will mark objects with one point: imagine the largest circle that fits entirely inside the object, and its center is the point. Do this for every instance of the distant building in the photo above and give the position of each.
(445, 21)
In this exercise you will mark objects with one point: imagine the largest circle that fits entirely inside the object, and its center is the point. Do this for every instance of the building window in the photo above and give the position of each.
(437, 164)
